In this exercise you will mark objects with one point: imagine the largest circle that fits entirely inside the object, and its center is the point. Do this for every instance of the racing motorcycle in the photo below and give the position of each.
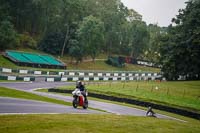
(79, 100)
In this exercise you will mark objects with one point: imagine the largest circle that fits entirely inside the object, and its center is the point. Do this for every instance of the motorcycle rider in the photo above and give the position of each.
(80, 85)
(150, 111)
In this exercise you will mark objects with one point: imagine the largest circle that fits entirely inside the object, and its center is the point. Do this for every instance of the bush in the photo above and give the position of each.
(52, 43)
(27, 41)
(114, 61)
(8, 36)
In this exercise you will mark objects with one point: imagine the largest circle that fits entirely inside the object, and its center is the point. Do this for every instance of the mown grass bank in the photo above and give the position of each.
(5, 92)
(101, 65)
(184, 95)
(92, 124)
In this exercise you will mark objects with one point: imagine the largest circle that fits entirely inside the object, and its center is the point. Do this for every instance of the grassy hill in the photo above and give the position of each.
(87, 64)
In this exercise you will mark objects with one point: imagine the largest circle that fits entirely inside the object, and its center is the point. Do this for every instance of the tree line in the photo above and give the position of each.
(78, 28)
(82, 28)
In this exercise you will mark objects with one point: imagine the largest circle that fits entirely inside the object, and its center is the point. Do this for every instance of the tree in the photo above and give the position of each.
(91, 36)
(52, 43)
(139, 38)
(72, 12)
(152, 52)
(36, 20)
(8, 35)
(180, 52)
(76, 51)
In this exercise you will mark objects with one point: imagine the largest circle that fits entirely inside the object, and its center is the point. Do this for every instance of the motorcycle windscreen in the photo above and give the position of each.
(81, 100)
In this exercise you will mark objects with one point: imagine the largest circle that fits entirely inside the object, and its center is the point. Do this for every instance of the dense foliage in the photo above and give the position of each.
(111, 27)
(8, 35)
(180, 52)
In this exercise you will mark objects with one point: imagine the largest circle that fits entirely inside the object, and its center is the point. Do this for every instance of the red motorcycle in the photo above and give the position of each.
(79, 99)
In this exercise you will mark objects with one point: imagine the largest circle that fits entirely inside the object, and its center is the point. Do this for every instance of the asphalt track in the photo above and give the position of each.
(31, 86)
(23, 106)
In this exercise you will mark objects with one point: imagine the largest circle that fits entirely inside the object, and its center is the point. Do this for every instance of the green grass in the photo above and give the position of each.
(129, 105)
(10, 81)
(6, 63)
(177, 94)
(5, 92)
(101, 65)
(92, 124)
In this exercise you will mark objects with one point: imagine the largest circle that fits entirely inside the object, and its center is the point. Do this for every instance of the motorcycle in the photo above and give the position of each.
(79, 99)
(151, 115)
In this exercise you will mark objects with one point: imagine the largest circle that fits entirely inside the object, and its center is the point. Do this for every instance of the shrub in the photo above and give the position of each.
(27, 41)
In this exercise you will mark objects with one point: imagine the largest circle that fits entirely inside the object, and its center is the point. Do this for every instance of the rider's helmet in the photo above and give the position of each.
(78, 82)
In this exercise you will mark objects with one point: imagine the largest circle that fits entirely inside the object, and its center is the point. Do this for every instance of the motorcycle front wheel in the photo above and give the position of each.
(74, 103)
(85, 106)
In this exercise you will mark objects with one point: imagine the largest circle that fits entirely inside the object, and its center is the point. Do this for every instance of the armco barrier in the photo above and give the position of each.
(138, 102)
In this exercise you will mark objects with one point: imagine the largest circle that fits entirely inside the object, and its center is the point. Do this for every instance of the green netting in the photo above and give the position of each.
(17, 56)
(35, 58)
(50, 59)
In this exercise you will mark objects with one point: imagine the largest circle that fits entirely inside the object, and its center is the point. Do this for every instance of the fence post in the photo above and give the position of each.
(167, 91)
(137, 87)
(124, 84)
(152, 88)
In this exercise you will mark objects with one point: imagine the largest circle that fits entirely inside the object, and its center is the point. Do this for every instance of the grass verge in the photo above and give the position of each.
(184, 95)
(92, 124)
(129, 105)
(101, 65)
(5, 92)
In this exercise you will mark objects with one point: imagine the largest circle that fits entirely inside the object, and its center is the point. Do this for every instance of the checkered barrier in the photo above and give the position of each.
(74, 75)
(17, 78)
(24, 71)
(136, 77)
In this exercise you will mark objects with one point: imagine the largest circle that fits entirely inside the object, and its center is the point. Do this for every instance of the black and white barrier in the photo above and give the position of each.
(17, 78)
(103, 78)
(79, 72)
(74, 75)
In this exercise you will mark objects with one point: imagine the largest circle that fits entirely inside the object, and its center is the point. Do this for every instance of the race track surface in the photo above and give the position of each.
(15, 106)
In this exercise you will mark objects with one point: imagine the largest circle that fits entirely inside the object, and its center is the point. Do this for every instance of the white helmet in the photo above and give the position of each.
(78, 82)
